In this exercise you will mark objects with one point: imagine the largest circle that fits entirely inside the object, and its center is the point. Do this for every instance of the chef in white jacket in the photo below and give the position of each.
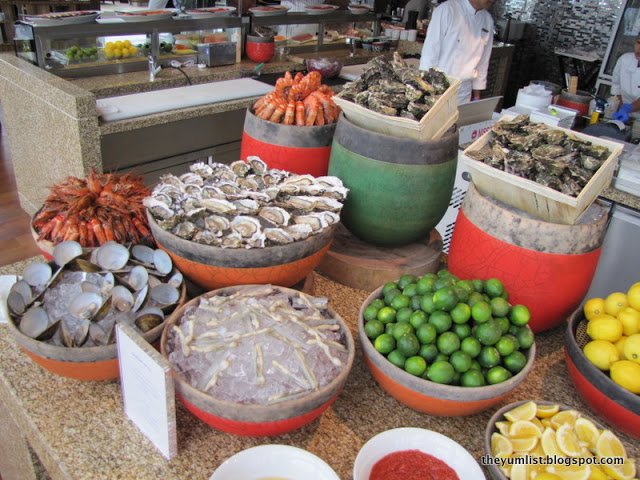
(459, 40)
(625, 84)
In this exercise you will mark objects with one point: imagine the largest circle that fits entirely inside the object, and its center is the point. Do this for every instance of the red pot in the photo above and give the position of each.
(260, 49)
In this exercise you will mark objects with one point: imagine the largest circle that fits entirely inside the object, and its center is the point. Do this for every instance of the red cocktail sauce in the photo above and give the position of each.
(411, 465)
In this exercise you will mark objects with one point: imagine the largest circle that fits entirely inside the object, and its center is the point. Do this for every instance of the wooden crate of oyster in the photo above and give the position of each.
(531, 197)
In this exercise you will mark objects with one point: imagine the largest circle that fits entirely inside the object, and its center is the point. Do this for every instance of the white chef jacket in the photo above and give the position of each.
(626, 78)
(459, 42)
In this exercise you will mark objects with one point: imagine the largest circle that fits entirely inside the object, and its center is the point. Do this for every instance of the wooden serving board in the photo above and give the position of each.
(357, 264)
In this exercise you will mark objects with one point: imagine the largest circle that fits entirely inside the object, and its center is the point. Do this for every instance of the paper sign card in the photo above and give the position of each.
(147, 389)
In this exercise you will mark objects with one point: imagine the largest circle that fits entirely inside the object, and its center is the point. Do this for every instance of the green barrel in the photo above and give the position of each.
(399, 188)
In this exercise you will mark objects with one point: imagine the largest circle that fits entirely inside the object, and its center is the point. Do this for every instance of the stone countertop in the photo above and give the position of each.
(623, 198)
(79, 431)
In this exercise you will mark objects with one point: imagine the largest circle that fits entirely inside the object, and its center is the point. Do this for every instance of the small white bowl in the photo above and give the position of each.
(274, 461)
(426, 441)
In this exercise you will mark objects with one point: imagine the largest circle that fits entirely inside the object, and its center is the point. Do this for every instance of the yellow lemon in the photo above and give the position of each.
(546, 423)
(537, 451)
(608, 445)
(620, 346)
(119, 44)
(536, 421)
(500, 446)
(524, 428)
(597, 473)
(520, 472)
(548, 476)
(632, 348)
(547, 411)
(526, 411)
(615, 302)
(630, 319)
(601, 353)
(633, 296)
(573, 472)
(605, 327)
(133, 50)
(503, 427)
(587, 433)
(593, 307)
(117, 52)
(549, 444)
(524, 444)
(565, 416)
(108, 54)
(626, 471)
(626, 374)
(568, 441)
(126, 43)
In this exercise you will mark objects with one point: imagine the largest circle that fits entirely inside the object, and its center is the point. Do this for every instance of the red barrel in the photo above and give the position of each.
(578, 101)
(288, 147)
(546, 266)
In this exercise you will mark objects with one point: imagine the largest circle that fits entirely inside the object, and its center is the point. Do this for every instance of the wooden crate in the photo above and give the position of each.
(431, 127)
(543, 202)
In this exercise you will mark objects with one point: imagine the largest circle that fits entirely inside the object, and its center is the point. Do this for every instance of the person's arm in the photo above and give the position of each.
(435, 33)
(480, 82)
(616, 88)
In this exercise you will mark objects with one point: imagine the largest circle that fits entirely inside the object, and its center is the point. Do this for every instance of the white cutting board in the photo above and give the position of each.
(146, 103)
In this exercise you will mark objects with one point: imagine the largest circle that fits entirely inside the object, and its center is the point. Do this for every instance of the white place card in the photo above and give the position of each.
(147, 389)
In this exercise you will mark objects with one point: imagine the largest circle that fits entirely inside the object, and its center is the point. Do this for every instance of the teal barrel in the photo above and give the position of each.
(399, 188)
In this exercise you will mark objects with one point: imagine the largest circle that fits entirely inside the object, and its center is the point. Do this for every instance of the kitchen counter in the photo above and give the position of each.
(78, 429)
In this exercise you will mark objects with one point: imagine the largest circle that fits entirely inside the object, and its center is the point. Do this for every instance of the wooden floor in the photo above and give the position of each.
(16, 242)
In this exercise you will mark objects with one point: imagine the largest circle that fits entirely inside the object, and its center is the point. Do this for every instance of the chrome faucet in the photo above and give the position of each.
(154, 67)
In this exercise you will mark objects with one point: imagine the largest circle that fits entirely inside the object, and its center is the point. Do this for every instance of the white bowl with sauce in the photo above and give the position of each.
(274, 462)
(423, 440)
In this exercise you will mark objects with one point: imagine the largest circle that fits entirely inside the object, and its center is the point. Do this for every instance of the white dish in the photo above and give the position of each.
(427, 441)
(133, 16)
(268, 461)
(209, 12)
(359, 9)
(62, 18)
(320, 9)
(268, 11)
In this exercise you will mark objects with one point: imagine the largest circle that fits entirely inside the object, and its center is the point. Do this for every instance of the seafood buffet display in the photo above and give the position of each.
(245, 205)
(300, 100)
(537, 152)
(259, 345)
(77, 300)
(95, 210)
(391, 87)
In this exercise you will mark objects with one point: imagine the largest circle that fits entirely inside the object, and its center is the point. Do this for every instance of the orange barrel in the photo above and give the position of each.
(546, 266)
(288, 147)
(580, 101)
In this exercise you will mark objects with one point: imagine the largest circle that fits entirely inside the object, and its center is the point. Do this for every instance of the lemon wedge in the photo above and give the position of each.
(503, 427)
(597, 473)
(566, 416)
(626, 471)
(523, 444)
(524, 428)
(573, 472)
(548, 442)
(526, 411)
(520, 472)
(608, 445)
(547, 411)
(587, 433)
(568, 441)
(500, 446)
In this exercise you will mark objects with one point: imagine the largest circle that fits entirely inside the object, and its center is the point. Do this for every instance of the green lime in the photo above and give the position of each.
(388, 328)
(460, 361)
(525, 337)
(499, 307)
(461, 293)
(373, 328)
(410, 290)
(401, 328)
(462, 331)
(426, 333)
(475, 366)
(466, 285)
(403, 314)
(425, 285)
(514, 329)
(408, 344)
(489, 357)
(461, 313)
(481, 312)
(445, 299)
(441, 372)
(520, 315)
(441, 357)
(390, 295)
(378, 303)
(489, 332)
(471, 346)
(456, 378)
(443, 273)
(472, 378)
(504, 324)
(515, 362)
(427, 305)
(400, 301)
(415, 302)
(386, 315)
(406, 280)
(370, 313)
(397, 358)
(385, 343)
(474, 298)
(415, 366)
(418, 318)
(497, 374)
(493, 287)
(443, 282)
(448, 343)
(440, 320)
(478, 285)
(387, 287)
(507, 345)
(428, 352)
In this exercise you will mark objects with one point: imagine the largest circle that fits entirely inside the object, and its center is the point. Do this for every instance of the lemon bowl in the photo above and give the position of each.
(494, 425)
(609, 400)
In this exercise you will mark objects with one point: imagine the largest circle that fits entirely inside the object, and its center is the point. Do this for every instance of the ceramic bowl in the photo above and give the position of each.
(430, 397)
(426, 441)
(617, 405)
(274, 461)
(327, 67)
(249, 419)
(260, 49)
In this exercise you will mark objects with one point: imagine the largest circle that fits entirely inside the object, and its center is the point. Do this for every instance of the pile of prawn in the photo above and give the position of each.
(301, 100)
